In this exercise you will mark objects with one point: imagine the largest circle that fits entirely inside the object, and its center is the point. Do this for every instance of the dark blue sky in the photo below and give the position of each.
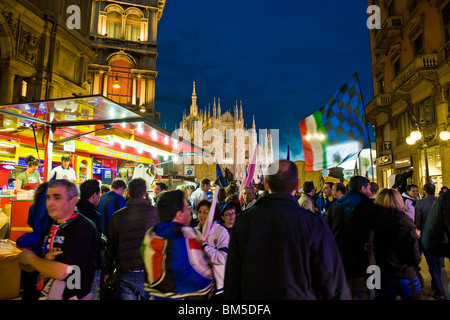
(284, 59)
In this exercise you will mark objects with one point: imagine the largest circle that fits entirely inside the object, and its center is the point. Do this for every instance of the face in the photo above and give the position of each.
(186, 217)
(65, 163)
(248, 195)
(189, 191)
(414, 192)
(32, 169)
(335, 193)
(366, 190)
(326, 190)
(58, 205)
(96, 198)
(157, 190)
(206, 187)
(203, 212)
(229, 216)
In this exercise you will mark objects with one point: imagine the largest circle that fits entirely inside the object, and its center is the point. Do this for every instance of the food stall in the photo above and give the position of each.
(99, 134)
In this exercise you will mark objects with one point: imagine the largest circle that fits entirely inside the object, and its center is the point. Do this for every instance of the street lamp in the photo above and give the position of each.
(417, 136)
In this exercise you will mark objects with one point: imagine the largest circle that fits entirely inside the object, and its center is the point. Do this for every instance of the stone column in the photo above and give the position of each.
(6, 86)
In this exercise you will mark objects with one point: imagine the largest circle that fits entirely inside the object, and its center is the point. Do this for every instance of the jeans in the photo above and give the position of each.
(95, 284)
(435, 272)
(131, 285)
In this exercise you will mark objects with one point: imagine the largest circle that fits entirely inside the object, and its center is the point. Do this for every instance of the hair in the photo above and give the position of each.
(231, 189)
(168, 204)
(329, 183)
(222, 195)
(429, 188)
(89, 188)
(71, 188)
(250, 188)
(209, 204)
(340, 187)
(31, 161)
(65, 157)
(40, 190)
(390, 198)
(183, 188)
(162, 185)
(374, 187)
(410, 186)
(118, 183)
(137, 188)
(308, 186)
(356, 183)
(285, 179)
(204, 181)
(105, 188)
(232, 197)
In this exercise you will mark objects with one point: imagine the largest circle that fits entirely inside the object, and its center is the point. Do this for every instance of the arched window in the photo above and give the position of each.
(133, 28)
(120, 72)
(114, 25)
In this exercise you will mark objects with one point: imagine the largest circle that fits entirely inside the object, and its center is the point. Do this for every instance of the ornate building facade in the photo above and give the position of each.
(123, 34)
(41, 56)
(411, 83)
(226, 136)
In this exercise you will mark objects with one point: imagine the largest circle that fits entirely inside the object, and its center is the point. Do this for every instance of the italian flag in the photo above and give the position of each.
(314, 140)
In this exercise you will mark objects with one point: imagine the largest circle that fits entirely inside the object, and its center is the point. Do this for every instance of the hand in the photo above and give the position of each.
(52, 254)
(418, 233)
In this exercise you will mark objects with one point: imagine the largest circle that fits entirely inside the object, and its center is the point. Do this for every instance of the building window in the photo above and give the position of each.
(427, 112)
(446, 22)
(133, 28)
(391, 9)
(114, 25)
(381, 86)
(403, 126)
(396, 67)
(419, 48)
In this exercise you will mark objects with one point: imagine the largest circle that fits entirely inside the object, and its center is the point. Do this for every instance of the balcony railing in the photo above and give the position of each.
(381, 100)
(420, 63)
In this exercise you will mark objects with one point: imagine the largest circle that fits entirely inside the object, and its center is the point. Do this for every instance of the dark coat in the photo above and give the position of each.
(281, 251)
(397, 249)
(127, 229)
(437, 227)
(352, 220)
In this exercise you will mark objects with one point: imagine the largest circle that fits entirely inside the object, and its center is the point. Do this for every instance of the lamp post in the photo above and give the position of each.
(418, 136)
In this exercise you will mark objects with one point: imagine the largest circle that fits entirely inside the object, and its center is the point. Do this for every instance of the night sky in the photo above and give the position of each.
(284, 59)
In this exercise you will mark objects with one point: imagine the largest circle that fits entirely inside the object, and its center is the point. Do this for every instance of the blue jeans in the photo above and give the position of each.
(95, 284)
(131, 285)
(435, 272)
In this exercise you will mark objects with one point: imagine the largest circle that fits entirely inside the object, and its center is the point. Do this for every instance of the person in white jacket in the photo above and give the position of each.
(216, 243)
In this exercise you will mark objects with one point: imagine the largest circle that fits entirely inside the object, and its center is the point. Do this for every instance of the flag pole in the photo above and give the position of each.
(367, 127)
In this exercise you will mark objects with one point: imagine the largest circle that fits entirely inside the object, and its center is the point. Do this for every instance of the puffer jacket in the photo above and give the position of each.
(127, 228)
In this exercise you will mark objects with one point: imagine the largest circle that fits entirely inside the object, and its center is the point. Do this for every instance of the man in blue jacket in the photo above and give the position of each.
(281, 251)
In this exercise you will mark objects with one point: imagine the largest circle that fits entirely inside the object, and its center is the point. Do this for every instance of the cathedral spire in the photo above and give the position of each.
(253, 125)
(194, 108)
(219, 113)
(241, 114)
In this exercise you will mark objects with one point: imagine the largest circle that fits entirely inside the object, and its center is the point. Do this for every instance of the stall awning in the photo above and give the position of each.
(97, 121)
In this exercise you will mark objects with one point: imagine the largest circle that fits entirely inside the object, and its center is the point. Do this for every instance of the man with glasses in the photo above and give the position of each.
(228, 214)
(175, 264)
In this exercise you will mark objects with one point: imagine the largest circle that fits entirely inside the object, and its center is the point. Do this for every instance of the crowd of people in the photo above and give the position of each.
(265, 241)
